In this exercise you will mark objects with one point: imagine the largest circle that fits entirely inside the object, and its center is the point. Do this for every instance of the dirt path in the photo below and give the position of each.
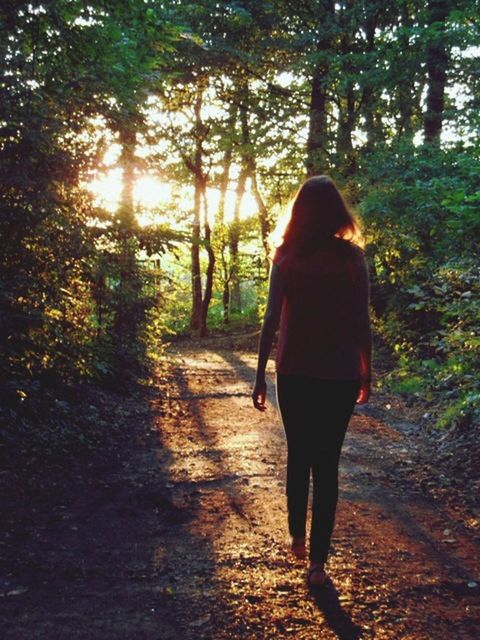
(184, 536)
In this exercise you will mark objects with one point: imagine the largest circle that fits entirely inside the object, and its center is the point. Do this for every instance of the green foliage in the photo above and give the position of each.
(74, 302)
(79, 303)
(421, 209)
(407, 384)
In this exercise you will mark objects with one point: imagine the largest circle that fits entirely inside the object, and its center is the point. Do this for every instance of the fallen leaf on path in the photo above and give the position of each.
(16, 592)
(200, 621)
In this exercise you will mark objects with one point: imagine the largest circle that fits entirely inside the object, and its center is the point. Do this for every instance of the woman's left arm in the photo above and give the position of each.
(276, 293)
(364, 333)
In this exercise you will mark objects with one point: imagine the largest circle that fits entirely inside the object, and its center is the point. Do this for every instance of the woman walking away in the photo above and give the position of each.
(318, 297)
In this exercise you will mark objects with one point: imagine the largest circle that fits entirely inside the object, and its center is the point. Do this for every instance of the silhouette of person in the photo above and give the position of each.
(318, 299)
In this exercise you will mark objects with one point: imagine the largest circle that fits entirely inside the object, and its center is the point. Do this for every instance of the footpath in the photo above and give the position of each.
(181, 533)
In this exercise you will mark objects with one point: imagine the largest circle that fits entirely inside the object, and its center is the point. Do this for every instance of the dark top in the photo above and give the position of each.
(324, 319)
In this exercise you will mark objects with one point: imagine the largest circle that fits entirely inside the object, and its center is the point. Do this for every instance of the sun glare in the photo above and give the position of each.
(150, 193)
(107, 189)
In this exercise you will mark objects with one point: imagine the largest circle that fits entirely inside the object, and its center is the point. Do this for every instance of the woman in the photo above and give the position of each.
(319, 297)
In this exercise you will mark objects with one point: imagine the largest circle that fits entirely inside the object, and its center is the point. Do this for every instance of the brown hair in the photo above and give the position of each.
(319, 213)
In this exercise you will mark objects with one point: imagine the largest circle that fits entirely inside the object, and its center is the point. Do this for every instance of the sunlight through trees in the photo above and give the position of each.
(149, 149)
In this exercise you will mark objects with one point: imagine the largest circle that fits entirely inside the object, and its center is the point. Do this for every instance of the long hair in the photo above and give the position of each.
(319, 213)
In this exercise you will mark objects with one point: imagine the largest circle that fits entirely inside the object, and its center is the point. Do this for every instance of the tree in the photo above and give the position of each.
(437, 63)
(68, 68)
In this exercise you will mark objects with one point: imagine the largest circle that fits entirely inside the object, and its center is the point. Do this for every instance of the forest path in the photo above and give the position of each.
(187, 539)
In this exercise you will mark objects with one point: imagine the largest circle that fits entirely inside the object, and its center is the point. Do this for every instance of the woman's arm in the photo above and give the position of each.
(364, 334)
(271, 321)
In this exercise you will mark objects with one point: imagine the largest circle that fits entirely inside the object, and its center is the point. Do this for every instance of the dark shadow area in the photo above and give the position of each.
(88, 550)
(338, 620)
(449, 588)
(244, 370)
(247, 373)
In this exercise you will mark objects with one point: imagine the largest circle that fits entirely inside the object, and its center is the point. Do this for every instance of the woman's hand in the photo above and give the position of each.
(259, 394)
(364, 392)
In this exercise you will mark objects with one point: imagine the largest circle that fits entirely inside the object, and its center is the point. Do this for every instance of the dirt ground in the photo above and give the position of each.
(181, 532)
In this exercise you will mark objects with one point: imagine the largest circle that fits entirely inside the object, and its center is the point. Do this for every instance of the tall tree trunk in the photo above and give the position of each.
(125, 324)
(250, 165)
(207, 297)
(317, 157)
(346, 123)
(128, 141)
(195, 321)
(369, 98)
(405, 107)
(235, 297)
(226, 166)
(437, 64)
(226, 291)
(200, 303)
(346, 102)
(264, 218)
(407, 94)
(224, 181)
(196, 167)
(317, 132)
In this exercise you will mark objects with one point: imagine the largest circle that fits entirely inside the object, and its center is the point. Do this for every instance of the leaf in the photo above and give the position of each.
(201, 621)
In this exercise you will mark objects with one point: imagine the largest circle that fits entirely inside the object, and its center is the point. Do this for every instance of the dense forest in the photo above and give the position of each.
(210, 114)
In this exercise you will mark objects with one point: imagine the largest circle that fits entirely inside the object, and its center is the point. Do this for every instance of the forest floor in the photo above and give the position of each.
(179, 532)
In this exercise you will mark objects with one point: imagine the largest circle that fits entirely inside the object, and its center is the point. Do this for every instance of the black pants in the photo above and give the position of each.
(315, 414)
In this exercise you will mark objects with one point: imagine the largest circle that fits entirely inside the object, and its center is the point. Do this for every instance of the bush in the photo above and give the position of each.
(422, 219)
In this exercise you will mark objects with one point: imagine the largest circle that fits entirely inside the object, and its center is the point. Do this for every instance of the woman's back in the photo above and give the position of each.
(325, 311)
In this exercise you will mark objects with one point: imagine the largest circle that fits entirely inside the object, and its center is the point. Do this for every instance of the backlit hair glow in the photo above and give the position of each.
(319, 213)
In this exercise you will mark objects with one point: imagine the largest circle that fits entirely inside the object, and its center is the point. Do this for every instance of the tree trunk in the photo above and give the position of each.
(372, 128)
(264, 218)
(196, 167)
(125, 322)
(437, 64)
(225, 177)
(405, 107)
(248, 161)
(346, 123)
(210, 268)
(407, 94)
(317, 132)
(317, 157)
(235, 297)
(226, 300)
(195, 321)
(128, 141)
(346, 162)
(224, 181)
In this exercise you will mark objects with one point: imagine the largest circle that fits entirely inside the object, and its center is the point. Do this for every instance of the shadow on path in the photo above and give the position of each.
(413, 511)
(93, 553)
(327, 599)
(180, 537)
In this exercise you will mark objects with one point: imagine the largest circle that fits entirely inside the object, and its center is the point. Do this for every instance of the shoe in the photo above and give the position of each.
(298, 548)
(316, 576)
